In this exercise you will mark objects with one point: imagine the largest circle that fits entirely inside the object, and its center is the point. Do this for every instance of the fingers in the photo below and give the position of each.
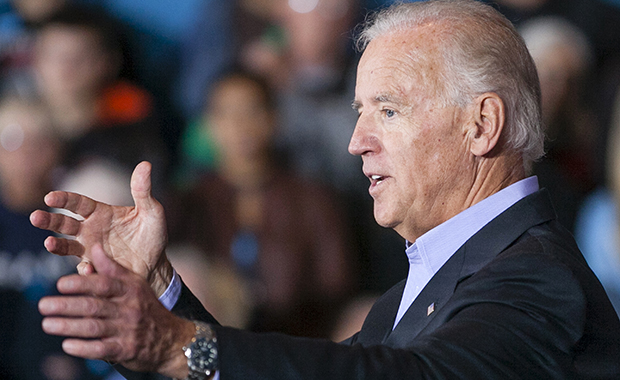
(106, 281)
(73, 202)
(94, 285)
(63, 247)
(92, 349)
(88, 328)
(79, 306)
(55, 222)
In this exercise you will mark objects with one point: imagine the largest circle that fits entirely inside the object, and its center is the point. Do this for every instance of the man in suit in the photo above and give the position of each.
(449, 125)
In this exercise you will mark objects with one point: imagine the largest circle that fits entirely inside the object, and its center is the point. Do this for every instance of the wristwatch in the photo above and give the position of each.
(201, 353)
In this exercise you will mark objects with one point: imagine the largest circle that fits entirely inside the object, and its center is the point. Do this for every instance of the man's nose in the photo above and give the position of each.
(362, 140)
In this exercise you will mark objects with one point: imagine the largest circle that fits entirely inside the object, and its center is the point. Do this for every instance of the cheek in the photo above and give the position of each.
(433, 162)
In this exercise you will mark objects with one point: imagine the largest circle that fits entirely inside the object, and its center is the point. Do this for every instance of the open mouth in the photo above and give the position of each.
(375, 179)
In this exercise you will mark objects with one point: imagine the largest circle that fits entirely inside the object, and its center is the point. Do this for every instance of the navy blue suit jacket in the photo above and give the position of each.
(516, 301)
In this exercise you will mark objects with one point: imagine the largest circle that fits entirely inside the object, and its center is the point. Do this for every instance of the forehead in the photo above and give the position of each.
(399, 61)
(56, 34)
(237, 90)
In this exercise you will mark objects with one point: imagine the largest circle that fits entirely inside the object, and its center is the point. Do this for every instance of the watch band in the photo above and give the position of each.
(201, 353)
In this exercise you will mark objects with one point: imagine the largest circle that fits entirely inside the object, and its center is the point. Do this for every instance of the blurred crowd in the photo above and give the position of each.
(244, 109)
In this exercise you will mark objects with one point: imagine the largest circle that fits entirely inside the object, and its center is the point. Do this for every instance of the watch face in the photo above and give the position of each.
(202, 355)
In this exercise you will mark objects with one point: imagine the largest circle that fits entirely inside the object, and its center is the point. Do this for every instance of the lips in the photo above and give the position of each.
(376, 184)
(375, 178)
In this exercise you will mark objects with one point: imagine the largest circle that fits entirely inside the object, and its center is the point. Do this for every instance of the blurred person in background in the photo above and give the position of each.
(179, 48)
(19, 20)
(78, 57)
(308, 55)
(598, 224)
(212, 47)
(564, 59)
(35, 12)
(311, 64)
(598, 19)
(247, 211)
(256, 43)
(30, 152)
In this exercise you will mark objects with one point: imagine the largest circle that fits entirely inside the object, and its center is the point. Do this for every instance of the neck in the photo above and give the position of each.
(246, 173)
(493, 175)
(488, 176)
(74, 115)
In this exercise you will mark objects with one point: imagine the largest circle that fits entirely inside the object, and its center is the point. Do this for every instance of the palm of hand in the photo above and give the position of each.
(132, 237)
(135, 237)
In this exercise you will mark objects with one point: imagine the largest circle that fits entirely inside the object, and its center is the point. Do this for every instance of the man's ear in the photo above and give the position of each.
(489, 119)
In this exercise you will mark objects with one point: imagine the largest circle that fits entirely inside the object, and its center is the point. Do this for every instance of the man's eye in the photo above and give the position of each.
(389, 113)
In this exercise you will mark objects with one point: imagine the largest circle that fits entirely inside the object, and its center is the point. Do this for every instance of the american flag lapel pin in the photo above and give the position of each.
(430, 309)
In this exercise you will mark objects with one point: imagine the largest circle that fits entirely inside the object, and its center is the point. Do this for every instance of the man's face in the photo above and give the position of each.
(414, 148)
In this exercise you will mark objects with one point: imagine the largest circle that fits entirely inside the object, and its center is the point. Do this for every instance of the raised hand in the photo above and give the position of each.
(135, 237)
(113, 315)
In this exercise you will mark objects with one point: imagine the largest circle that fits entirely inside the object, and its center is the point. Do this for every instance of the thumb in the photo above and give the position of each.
(104, 264)
(141, 186)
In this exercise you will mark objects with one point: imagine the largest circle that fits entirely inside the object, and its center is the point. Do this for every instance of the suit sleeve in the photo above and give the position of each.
(189, 307)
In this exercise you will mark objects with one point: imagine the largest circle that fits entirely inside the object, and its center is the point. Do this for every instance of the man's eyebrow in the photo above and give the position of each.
(380, 98)
(387, 98)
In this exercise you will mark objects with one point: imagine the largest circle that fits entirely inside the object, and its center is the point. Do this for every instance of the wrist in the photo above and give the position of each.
(176, 364)
(159, 278)
(201, 354)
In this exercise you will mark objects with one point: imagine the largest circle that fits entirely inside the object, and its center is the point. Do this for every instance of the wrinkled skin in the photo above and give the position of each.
(135, 237)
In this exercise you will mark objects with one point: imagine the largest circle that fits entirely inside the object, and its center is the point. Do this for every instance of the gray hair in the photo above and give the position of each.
(482, 52)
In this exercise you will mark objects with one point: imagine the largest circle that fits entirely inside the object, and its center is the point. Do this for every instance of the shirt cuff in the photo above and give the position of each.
(170, 298)
(172, 293)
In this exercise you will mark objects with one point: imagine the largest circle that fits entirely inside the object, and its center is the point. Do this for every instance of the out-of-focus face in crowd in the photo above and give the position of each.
(315, 38)
(317, 30)
(37, 10)
(29, 150)
(563, 57)
(71, 62)
(241, 119)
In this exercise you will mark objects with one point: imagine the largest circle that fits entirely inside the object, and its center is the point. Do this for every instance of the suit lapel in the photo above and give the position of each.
(481, 248)
(380, 319)
(434, 295)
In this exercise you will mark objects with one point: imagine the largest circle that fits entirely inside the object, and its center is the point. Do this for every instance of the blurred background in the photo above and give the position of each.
(244, 109)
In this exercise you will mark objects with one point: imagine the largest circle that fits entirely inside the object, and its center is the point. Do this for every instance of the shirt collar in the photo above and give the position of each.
(436, 246)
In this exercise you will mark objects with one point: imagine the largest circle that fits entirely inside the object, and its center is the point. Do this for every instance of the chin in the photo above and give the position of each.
(384, 220)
